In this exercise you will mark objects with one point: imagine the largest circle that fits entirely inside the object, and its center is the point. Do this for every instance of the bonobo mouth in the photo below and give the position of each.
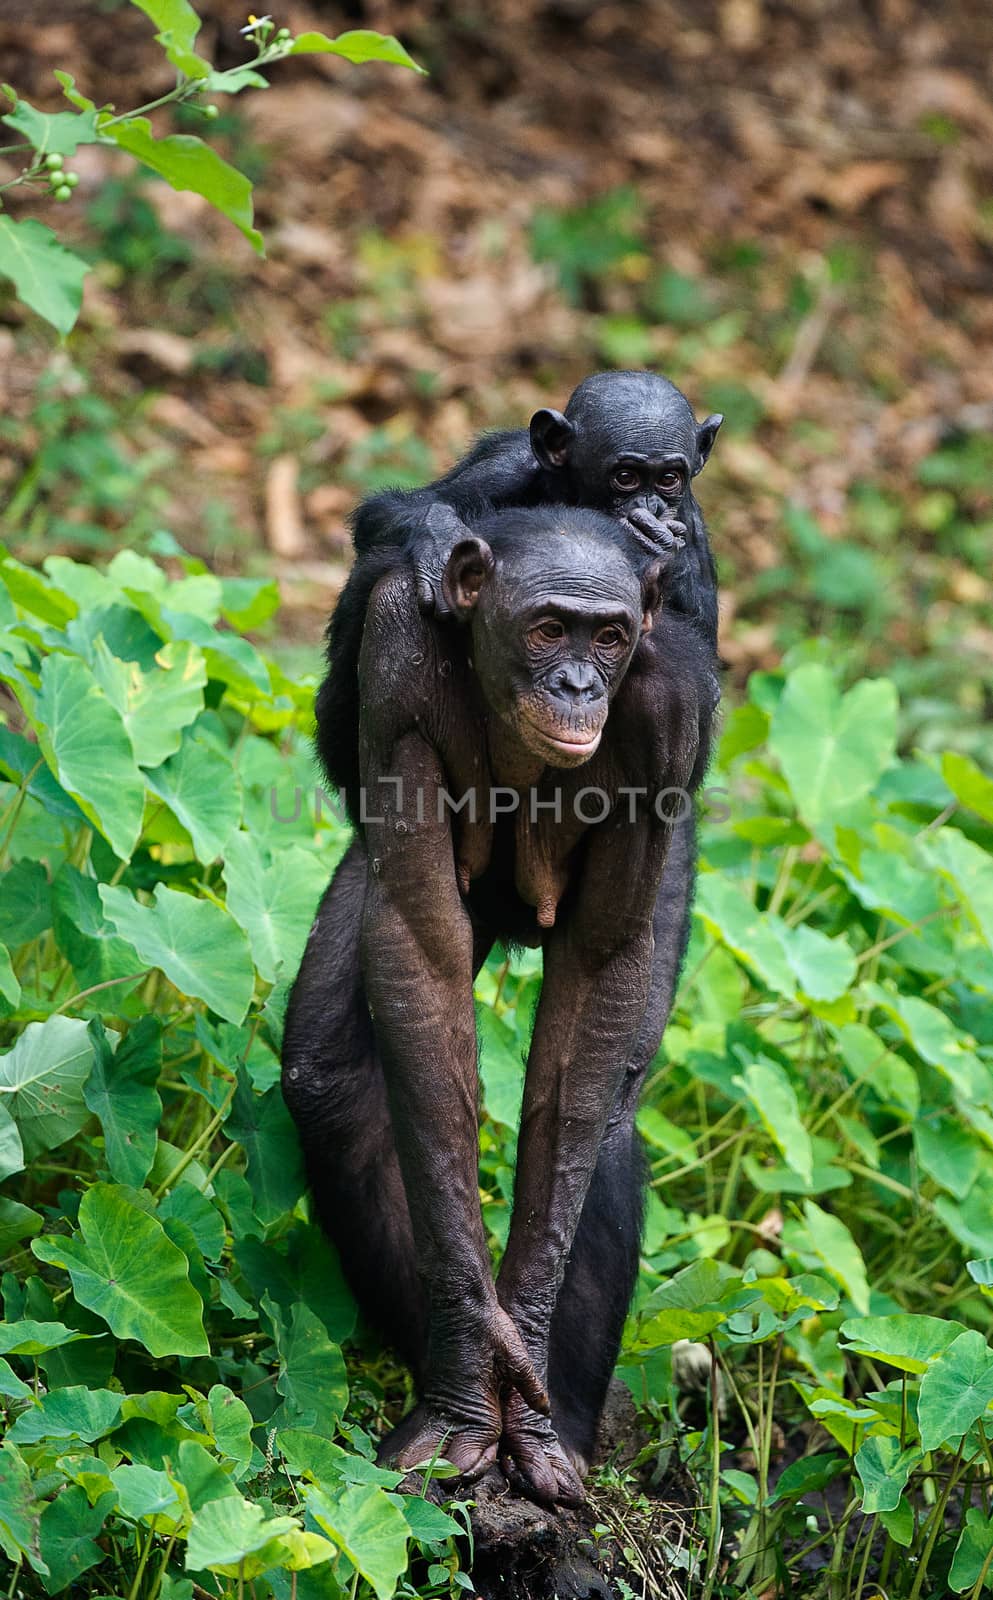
(558, 750)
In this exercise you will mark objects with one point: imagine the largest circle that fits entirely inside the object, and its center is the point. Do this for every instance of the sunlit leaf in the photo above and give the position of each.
(46, 276)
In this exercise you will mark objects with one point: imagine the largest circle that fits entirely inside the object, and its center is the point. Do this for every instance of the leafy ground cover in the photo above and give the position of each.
(189, 1405)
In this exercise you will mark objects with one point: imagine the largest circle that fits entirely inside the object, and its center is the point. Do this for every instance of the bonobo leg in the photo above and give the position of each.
(603, 1264)
(334, 1087)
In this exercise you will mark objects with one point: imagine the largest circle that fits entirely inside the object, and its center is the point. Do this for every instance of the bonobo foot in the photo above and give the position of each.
(534, 1461)
(461, 1416)
(660, 536)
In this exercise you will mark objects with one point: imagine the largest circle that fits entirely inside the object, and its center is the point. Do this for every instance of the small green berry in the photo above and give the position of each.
(211, 113)
(283, 35)
(70, 179)
(53, 163)
(63, 192)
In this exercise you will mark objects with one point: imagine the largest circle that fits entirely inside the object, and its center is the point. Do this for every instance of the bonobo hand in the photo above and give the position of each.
(460, 1417)
(430, 545)
(661, 535)
(533, 1460)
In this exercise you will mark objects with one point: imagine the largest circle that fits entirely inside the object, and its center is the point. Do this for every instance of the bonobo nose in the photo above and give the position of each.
(653, 504)
(576, 681)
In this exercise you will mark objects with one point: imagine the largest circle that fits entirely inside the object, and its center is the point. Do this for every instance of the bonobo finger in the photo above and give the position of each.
(425, 595)
(518, 1371)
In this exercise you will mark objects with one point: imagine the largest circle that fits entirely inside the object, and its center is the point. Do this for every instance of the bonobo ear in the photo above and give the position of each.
(467, 569)
(651, 596)
(706, 433)
(551, 436)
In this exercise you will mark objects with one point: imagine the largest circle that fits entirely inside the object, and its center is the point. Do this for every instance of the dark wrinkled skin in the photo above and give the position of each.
(559, 668)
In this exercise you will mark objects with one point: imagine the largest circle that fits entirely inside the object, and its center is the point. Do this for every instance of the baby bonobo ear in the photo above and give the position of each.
(651, 596)
(468, 568)
(706, 433)
(551, 436)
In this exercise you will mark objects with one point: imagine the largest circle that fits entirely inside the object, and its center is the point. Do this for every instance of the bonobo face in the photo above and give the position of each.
(628, 441)
(554, 627)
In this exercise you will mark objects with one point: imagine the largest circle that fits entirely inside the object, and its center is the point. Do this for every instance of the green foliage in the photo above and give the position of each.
(46, 274)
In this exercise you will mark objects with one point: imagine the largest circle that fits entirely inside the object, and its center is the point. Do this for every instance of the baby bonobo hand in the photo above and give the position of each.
(475, 1363)
(430, 545)
(661, 535)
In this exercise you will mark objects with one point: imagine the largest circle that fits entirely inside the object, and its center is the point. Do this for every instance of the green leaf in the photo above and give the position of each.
(17, 1222)
(73, 1413)
(264, 1128)
(948, 1153)
(884, 1469)
(745, 930)
(824, 968)
(199, 786)
(9, 986)
(121, 1091)
(841, 1256)
(274, 902)
(312, 1371)
(687, 1307)
(41, 1082)
(501, 1067)
(46, 276)
(369, 1528)
(905, 1340)
(58, 135)
(968, 783)
(19, 1510)
(973, 1551)
(358, 46)
(178, 26)
(87, 746)
(146, 1494)
(155, 706)
(30, 1338)
(774, 1098)
(125, 1269)
(231, 1424)
(69, 1525)
(956, 1390)
(224, 1532)
(11, 1145)
(832, 748)
(971, 872)
(197, 945)
(186, 163)
(899, 1523)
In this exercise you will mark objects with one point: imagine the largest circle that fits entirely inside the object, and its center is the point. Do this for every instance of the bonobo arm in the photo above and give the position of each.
(417, 970)
(499, 470)
(597, 968)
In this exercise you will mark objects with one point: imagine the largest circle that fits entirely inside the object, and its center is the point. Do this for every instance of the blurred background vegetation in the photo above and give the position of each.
(786, 207)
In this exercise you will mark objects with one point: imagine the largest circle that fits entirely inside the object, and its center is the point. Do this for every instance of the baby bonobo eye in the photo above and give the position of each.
(670, 482)
(548, 631)
(625, 480)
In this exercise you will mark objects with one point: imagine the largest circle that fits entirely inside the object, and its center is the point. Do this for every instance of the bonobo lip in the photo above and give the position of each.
(577, 750)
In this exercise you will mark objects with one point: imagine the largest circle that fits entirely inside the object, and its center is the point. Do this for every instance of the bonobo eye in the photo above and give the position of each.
(548, 632)
(625, 480)
(610, 638)
(670, 482)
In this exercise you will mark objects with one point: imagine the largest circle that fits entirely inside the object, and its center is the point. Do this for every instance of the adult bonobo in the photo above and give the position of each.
(515, 760)
(627, 444)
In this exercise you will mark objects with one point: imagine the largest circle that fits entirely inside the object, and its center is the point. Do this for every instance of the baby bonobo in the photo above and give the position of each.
(521, 760)
(627, 444)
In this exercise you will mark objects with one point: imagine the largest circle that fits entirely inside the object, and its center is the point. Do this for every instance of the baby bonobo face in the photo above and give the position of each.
(552, 636)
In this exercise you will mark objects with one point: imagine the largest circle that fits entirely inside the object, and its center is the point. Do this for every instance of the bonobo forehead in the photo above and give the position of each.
(617, 413)
(565, 567)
